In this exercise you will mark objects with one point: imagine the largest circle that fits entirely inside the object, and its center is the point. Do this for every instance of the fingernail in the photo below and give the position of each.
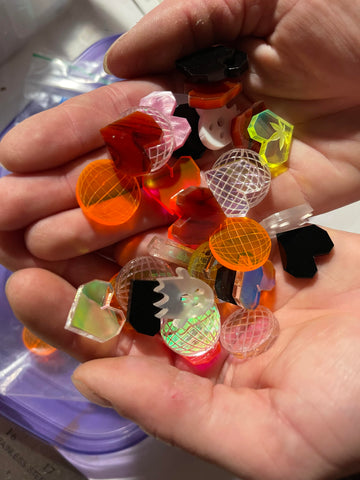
(105, 61)
(90, 394)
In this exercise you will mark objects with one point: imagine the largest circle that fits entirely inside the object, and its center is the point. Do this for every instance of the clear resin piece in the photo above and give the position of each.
(91, 314)
(239, 180)
(169, 251)
(287, 219)
(140, 268)
(247, 333)
(197, 336)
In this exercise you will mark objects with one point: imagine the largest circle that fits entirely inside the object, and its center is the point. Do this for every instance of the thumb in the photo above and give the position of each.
(175, 29)
(217, 423)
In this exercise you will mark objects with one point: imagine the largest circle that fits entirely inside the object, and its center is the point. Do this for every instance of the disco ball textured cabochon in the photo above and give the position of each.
(246, 333)
(240, 244)
(198, 335)
(105, 195)
(140, 268)
(238, 177)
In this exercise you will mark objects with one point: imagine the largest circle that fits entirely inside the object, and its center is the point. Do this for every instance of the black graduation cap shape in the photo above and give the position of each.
(213, 64)
(298, 248)
(141, 310)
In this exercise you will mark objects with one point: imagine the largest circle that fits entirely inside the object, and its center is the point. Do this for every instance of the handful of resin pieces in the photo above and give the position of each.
(215, 256)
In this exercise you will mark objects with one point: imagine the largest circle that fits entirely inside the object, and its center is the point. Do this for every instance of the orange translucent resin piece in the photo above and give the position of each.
(128, 139)
(240, 244)
(35, 345)
(239, 128)
(105, 195)
(213, 95)
(167, 182)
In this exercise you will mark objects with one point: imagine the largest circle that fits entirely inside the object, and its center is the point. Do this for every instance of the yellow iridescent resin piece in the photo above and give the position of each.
(275, 135)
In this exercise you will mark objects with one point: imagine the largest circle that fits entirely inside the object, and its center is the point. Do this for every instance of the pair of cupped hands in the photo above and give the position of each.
(294, 411)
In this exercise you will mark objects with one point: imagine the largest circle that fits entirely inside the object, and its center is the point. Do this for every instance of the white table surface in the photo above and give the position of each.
(83, 23)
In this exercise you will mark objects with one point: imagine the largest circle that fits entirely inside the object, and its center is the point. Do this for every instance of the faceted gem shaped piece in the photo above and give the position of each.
(193, 146)
(203, 264)
(240, 243)
(105, 195)
(198, 336)
(169, 251)
(275, 135)
(238, 180)
(91, 315)
(200, 215)
(164, 184)
(141, 141)
(214, 126)
(36, 345)
(142, 312)
(287, 219)
(165, 103)
(128, 139)
(247, 333)
(183, 297)
(213, 95)
(213, 64)
(239, 128)
(140, 268)
(299, 247)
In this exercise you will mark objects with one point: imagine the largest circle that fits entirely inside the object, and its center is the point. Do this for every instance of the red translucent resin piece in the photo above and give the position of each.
(213, 95)
(239, 128)
(128, 139)
(200, 215)
(164, 184)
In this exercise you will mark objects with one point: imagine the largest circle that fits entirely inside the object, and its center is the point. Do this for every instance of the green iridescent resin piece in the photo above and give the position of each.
(198, 335)
(91, 314)
(275, 135)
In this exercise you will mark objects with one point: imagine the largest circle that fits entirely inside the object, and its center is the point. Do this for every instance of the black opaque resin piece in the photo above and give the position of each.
(299, 247)
(141, 310)
(193, 147)
(224, 284)
(213, 64)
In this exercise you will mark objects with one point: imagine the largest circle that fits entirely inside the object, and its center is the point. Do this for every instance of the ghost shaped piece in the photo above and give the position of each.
(215, 126)
(238, 180)
(184, 297)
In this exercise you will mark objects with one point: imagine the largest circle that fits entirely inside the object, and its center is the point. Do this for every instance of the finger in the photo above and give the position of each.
(15, 256)
(189, 411)
(197, 25)
(69, 233)
(63, 133)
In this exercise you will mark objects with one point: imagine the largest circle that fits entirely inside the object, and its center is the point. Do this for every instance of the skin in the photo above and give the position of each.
(291, 412)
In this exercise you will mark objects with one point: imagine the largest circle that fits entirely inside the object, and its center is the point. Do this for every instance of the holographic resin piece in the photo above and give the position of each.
(36, 345)
(287, 219)
(213, 64)
(106, 196)
(298, 248)
(213, 95)
(275, 135)
(204, 265)
(169, 251)
(239, 128)
(247, 333)
(91, 314)
(198, 335)
(200, 215)
(141, 141)
(184, 297)
(238, 180)
(240, 244)
(164, 184)
(140, 268)
(165, 103)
